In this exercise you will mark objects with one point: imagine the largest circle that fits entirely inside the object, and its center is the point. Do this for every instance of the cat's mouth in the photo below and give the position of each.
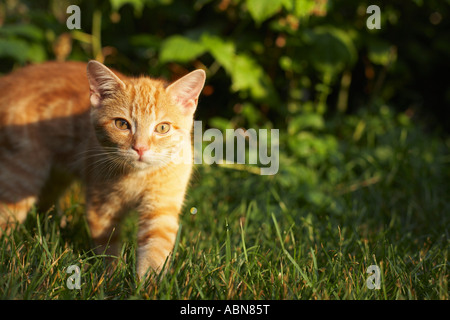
(149, 159)
(123, 158)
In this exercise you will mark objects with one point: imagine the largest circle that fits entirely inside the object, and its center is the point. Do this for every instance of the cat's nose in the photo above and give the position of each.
(140, 149)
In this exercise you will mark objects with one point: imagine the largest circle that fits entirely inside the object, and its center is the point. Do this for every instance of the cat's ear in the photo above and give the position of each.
(102, 82)
(186, 90)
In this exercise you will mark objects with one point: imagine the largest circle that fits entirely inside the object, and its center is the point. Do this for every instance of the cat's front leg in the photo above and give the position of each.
(104, 214)
(158, 227)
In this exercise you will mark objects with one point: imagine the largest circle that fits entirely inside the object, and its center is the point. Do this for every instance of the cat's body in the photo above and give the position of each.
(120, 135)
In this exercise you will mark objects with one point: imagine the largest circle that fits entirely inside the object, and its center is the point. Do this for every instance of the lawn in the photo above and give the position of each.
(366, 189)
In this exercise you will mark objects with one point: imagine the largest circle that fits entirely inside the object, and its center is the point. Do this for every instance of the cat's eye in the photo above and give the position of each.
(162, 128)
(122, 124)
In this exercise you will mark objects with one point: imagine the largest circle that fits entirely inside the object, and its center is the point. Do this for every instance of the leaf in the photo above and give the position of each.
(27, 31)
(14, 48)
(306, 121)
(300, 8)
(23, 43)
(145, 40)
(36, 53)
(251, 114)
(245, 72)
(380, 52)
(223, 51)
(220, 123)
(138, 5)
(180, 49)
(331, 49)
(261, 10)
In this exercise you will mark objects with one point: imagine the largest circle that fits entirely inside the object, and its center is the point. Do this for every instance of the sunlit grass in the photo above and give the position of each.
(309, 232)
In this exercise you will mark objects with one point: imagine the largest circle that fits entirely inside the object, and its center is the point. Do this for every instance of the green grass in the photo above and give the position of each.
(378, 196)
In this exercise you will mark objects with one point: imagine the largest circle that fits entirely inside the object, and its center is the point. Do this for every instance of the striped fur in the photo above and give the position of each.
(63, 115)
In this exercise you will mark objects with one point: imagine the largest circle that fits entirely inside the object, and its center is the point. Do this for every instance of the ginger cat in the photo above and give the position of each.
(129, 139)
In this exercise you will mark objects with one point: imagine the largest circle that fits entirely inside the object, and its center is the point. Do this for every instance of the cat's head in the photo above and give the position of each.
(142, 122)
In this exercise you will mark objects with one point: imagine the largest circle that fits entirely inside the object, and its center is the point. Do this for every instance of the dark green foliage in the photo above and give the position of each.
(363, 175)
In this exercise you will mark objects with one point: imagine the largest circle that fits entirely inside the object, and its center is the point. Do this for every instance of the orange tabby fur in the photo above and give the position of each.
(107, 129)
